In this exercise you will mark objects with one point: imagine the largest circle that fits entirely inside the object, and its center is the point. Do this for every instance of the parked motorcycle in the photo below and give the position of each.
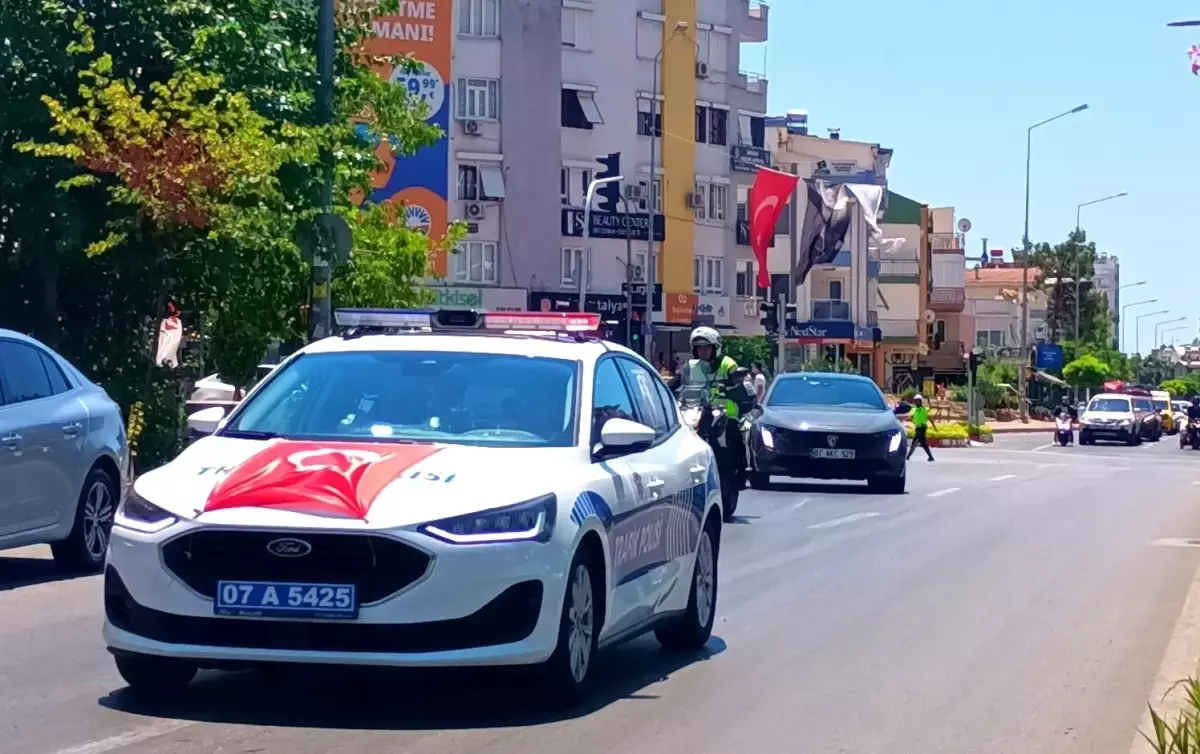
(710, 420)
(1190, 436)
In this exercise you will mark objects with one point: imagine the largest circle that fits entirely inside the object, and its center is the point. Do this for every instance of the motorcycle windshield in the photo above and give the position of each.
(690, 397)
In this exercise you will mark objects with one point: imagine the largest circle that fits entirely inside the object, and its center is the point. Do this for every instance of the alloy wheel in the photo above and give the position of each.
(705, 580)
(97, 519)
(580, 623)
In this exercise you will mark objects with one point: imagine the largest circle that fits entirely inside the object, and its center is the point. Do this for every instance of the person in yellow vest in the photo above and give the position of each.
(921, 424)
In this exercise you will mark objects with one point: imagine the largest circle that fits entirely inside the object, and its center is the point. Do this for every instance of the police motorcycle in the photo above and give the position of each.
(1189, 436)
(706, 415)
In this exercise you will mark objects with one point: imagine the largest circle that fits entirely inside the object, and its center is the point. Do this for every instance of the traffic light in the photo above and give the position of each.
(789, 315)
(770, 318)
(610, 193)
(975, 357)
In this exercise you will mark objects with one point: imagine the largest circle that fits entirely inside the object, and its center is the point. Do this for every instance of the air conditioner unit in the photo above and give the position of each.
(471, 127)
(701, 70)
(695, 200)
(474, 210)
(749, 307)
(635, 192)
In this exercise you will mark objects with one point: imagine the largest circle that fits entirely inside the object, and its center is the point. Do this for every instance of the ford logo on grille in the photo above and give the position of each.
(289, 547)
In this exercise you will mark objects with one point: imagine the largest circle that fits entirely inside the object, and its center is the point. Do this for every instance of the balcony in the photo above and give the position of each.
(946, 357)
(946, 242)
(754, 26)
(755, 83)
(830, 309)
(891, 271)
(947, 299)
(898, 329)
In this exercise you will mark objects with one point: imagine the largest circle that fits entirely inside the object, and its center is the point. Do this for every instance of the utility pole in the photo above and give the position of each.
(781, 325)
(320, 323)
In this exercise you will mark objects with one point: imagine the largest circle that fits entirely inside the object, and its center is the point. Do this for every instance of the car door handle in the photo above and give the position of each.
(654, 484)
(72, 429)
(698, 469)
(11, 441)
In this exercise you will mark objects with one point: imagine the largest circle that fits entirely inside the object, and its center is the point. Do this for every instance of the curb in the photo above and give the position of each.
(936, 443)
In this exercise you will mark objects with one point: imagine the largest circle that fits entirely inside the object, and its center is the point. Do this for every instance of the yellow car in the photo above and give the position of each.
(1162, 404)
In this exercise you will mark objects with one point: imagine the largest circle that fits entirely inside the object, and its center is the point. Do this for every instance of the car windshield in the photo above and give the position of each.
(1160, 405)
(1113, 405)
(436, 396)
(815, 390)
(1180, 405)
(1143, 404)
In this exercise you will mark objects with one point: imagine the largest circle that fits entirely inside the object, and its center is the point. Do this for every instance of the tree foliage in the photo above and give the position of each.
(1060, 266)
(1086, 372)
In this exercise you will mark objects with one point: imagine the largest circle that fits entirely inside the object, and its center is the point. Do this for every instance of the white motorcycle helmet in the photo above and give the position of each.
(706, 336)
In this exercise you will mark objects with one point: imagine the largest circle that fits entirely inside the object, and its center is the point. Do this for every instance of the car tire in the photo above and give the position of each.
(85, 547)
(759, 480)
(154, 675)
(731, 492)
(692, 630)
(887, 485)
(568, 672)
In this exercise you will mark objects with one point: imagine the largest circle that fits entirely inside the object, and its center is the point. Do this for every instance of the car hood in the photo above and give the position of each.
(1105, 416)
(820, 419)
(229, 481)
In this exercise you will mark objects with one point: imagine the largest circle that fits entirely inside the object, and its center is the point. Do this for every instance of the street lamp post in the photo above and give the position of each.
(1022, 381)
(1173, 329)
(1124, 341)
(1137, 328)
(1157, 325)
(1078, 272)
(1120, 318)
(585, 254)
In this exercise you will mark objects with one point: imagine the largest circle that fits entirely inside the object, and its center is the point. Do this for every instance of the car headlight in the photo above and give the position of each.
(1125, 422)
(137, 513)
(768, 437)
(894, 442)
(691, 416)
(531, 521)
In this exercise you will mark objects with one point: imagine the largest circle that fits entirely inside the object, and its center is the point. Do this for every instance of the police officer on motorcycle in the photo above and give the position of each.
(1194, 409)
(709, 368)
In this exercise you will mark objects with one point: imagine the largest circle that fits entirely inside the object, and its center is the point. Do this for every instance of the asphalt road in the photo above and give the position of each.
(1012, 601)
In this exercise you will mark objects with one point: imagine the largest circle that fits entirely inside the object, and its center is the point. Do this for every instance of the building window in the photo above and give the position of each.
(479, 18)
(564, 184)
(475, 262)
(698, 274)
(712, 47)
(835, 290)
(990, 338)
(481, 183)
(652, 190)
(714, 275)
(712, 125)
(649, 121)
(747, 280)
(572, 262)
(752, 131)
(939, 331)
(577, 28)
(579, 110)
(638, 275)
(478, 99)
(714, 197)
(573, 185)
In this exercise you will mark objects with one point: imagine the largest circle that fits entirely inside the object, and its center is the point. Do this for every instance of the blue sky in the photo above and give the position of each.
(952, 86)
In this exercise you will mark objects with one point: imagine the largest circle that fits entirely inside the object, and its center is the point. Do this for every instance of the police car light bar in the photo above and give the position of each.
(402, 318)
(544, 321)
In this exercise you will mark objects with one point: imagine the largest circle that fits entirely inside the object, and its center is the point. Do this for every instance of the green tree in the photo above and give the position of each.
(749, 349)
(825, 365)
(1086, 372)
(1059, 266)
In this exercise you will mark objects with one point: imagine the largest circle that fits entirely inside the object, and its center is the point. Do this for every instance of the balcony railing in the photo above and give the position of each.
(830, 309)
(946, 241)
(891, 268)
(898, 328)
(755, 83)
(947, 299)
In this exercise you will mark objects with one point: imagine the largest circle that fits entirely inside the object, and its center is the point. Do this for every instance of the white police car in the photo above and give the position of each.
(428, 489)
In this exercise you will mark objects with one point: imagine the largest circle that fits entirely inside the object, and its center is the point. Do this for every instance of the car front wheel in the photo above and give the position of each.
(759, 480)
(569, 669)
(887, 485)
(85, 547)
(693, 629)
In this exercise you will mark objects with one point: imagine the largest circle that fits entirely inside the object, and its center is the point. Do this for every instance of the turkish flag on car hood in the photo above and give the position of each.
(768, 197)
(337, 479)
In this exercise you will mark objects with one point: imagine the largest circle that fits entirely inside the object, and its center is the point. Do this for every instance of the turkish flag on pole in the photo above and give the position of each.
(768, 196)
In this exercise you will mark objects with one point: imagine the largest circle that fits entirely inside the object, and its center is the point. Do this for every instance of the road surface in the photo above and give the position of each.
(1012, 601)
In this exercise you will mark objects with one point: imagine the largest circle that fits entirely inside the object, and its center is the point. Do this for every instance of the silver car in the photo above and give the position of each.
(63, 455)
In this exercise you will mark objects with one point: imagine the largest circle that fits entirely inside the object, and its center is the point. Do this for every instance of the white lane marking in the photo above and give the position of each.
(1179, 661)
(129, 738)
(1049, 465)
(1002, 477)
(844, 520)
(946, 491)
(800, 504)
(1043, 447)
(1176, 542)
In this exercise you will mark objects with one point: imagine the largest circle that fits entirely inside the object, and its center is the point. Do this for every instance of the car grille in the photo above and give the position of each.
(377, 566)
(797, 441)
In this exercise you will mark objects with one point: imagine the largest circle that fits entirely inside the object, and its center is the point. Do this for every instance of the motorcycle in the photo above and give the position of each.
(1064, 433)
(710, 420)
(1190, 435)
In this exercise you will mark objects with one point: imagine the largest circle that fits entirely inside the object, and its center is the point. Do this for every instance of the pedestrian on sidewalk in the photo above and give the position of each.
(921, 423)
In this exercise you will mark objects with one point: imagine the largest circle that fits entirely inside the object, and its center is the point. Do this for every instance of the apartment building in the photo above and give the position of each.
(838, 302)
(1107, 280)
(902, 291)
(948, 328)
(993, 300)
(541, 97)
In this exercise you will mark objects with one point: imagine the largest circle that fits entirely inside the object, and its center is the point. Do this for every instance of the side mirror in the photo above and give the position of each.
(205, 421)
(623, 435)
(739, 374)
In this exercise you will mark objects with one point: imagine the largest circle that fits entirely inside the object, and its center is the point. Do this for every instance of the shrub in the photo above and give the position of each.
(943, 432)
(1181, 735)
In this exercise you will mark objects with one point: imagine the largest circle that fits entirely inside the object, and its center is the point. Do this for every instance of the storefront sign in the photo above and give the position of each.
(818, 332)
(639, 294)
(743, 234)
(748, 159)
(485, 299)
(612, 225)
(713, 310)
(607, 305)
(681, 307)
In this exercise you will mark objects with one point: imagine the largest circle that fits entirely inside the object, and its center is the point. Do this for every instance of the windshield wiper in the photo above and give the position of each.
(248, 434)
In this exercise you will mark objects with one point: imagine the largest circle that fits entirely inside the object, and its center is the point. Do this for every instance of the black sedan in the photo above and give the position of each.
(819, 425)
